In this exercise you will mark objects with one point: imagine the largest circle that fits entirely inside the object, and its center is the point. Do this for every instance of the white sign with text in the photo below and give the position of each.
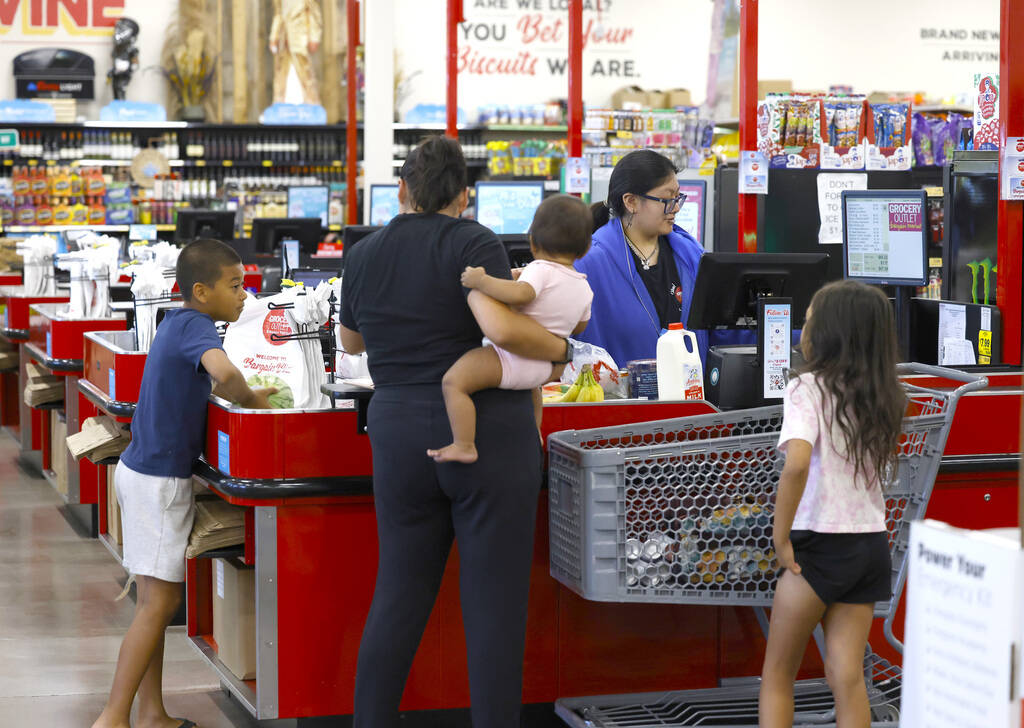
(963, 629)
(830, 203)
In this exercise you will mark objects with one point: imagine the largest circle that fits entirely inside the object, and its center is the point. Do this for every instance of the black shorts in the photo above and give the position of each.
(852, 568)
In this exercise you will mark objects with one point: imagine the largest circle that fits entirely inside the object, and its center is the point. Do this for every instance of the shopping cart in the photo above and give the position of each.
(680, 511)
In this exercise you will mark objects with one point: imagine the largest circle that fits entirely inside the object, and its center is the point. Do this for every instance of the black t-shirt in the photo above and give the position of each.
(662, 282)
(401, 291)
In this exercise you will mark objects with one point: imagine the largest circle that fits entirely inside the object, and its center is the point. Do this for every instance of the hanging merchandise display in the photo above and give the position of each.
(986, 111)
(791, 129)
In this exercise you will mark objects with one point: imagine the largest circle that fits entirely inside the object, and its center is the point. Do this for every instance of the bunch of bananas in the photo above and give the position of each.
(585, 388)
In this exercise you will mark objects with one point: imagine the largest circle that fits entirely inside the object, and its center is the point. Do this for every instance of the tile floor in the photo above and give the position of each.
(60, 628)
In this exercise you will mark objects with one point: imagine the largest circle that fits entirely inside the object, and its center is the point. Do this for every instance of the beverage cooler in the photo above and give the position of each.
(970, 243)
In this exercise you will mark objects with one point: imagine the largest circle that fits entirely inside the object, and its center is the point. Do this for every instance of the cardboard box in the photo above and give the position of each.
(656, 100)
(677, 97)
(58, 451)
(774, 86)
(234, 616)
(629, 97)
(113, 509)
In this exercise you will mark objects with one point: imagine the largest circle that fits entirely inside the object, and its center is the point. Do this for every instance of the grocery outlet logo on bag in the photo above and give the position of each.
(276, 322)
(75, 17)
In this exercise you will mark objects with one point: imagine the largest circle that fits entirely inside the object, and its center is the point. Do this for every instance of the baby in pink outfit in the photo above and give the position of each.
(550, 291)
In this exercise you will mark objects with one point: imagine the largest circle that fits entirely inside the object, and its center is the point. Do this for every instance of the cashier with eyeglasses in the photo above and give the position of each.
(641, 266)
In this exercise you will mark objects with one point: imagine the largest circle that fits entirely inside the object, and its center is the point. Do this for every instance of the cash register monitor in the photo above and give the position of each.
(729, 284)
(268, 232)
(351, 235)
(202, 223)
(508, 207)
(726, 295)
(309, 201)
(383, 203)
(518, 249)
(885, 237)
(691, 215)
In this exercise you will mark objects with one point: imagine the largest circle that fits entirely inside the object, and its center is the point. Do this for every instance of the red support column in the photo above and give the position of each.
(748, 118)
(455, 16)
(1011, 214)
(575, 78)
(351, 139)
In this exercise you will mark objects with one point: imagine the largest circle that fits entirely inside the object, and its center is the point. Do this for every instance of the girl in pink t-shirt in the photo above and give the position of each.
(548, 290)
(841, 427)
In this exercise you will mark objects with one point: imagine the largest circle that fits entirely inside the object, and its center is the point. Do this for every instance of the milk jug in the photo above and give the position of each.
(680, 372)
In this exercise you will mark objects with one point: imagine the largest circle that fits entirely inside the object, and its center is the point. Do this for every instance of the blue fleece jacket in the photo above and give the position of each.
(623, 319)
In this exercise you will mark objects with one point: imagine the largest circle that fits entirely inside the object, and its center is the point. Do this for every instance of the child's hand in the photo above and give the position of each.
(473, 277)
(261, 398)
(516, 272)
(786, 557)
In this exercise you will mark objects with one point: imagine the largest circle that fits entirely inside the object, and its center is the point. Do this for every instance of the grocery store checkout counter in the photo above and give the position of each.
(304, 578)
(25, 425)
(56, 343)
(304, 479)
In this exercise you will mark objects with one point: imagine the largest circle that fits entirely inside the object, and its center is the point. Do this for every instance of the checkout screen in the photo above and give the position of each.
(885, 238)
(507, 207)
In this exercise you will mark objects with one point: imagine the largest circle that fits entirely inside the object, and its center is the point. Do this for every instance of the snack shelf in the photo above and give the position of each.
(33, 229)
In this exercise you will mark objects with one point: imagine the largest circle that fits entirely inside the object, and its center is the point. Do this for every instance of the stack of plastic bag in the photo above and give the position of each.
(311, 312)
(347, 366)
(92, 268)
(163, 254)
(37, 252)
(148, 282)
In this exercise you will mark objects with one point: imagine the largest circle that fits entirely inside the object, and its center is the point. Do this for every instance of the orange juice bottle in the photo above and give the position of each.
(44, 213)
(40, 183)
(97, 211)
(62, 212)
(62, 182)
(76, 182)
(21, 181)
(24, 212)
(96, 185)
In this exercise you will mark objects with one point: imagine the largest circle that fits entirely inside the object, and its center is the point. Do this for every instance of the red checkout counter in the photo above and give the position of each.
(23, 423)
(56, 342)
(304, 479)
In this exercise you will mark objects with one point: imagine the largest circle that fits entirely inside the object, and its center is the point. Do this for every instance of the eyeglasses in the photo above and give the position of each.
(672, 204)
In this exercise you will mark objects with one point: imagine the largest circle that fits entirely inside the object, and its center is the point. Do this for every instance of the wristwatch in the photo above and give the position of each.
(568, 353)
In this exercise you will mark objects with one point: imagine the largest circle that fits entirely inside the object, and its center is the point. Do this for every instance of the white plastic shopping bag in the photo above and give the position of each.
(606, 372)
(261, 344)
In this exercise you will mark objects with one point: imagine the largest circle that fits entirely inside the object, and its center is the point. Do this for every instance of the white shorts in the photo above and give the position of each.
(157, 515)
(518, 372)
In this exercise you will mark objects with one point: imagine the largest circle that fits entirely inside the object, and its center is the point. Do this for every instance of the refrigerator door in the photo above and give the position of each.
(972, 200)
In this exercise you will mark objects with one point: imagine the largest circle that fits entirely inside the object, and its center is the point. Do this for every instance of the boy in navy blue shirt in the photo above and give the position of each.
(154, 478)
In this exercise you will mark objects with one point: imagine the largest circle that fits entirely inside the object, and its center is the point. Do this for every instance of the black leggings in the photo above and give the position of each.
(490, 507)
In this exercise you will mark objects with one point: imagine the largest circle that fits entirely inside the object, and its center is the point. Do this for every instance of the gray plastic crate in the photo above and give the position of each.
(680, 510)
(669, 511)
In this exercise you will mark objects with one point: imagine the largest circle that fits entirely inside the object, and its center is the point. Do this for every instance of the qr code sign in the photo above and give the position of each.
(776, 382)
